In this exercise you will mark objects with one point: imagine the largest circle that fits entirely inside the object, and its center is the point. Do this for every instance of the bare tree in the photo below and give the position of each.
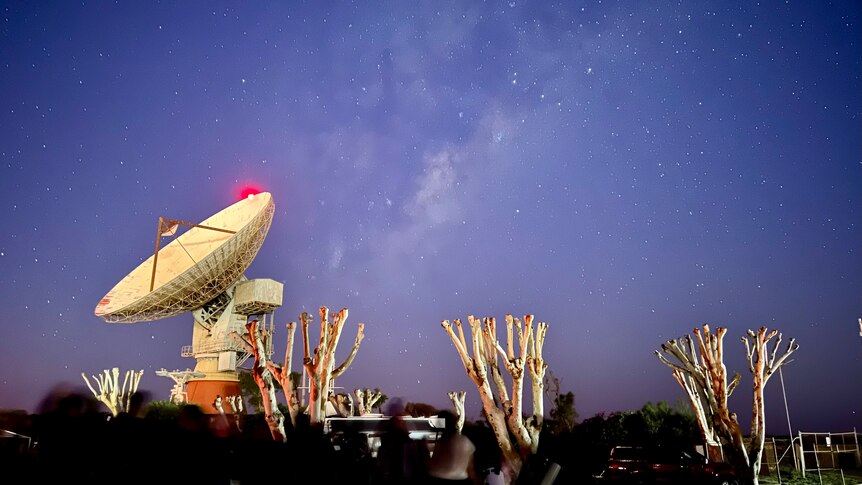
(236, 404)
(705, 382)
(505, 415)
(219, 407)
(762, 363)
(282, 375)
(365, 400)
(217, 404)
(256, 345)
(117, 398)
(458, 399)
(342, 404)
(320, 364)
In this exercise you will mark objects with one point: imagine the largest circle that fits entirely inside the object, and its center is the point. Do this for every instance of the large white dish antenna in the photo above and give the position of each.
(194, 268)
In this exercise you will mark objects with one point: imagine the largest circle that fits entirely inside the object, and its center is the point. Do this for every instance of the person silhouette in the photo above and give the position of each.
(452, 461)
(400, 459)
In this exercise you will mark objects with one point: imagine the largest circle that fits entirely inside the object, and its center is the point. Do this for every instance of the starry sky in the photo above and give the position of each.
(625, 171)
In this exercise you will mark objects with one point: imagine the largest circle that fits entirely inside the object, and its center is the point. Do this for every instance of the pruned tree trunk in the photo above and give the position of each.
(537, 367)
(217, 404)
(320, 365)
(701, 372)
(237, 406)
(235, 403)
(696, 378)
(762, 364)
(342, 404)
(117, 398)
(282, 375)
(506, 418)
(365, 400)
(256, 345)
(458, 399)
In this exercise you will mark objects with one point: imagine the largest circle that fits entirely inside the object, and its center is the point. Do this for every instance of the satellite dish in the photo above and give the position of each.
(194, 268)
(201, 272)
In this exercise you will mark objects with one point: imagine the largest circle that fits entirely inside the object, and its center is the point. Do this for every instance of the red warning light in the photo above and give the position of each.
(248, 191)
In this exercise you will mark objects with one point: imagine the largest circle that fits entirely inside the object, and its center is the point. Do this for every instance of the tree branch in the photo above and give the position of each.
(353, 351)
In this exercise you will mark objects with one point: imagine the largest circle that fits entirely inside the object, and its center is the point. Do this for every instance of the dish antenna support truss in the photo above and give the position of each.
(168, 227)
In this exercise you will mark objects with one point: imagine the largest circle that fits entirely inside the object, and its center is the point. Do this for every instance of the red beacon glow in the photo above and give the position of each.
(248, 192)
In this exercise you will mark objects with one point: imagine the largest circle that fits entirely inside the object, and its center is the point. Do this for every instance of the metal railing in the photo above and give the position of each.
(829, 451)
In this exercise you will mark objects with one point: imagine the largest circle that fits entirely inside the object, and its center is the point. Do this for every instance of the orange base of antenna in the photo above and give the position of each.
(204, 392)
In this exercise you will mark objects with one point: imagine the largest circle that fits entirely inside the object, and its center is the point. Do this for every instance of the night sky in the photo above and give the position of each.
(625, 171)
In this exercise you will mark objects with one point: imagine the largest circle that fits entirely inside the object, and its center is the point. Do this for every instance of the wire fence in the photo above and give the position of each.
(829, 451)
(814, 454)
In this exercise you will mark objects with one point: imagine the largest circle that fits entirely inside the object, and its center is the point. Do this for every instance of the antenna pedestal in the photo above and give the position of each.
(216, 352)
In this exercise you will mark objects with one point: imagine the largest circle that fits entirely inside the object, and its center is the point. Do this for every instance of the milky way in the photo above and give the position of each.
(624, 171)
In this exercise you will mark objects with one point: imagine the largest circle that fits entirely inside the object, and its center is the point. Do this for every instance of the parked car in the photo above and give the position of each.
(637, 465)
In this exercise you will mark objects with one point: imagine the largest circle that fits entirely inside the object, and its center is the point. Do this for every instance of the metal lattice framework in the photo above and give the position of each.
(180, 378)
(189, 284)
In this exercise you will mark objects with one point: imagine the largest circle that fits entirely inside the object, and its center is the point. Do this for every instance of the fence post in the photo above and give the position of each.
(858, 455)
(775, 452)
(801, 455)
